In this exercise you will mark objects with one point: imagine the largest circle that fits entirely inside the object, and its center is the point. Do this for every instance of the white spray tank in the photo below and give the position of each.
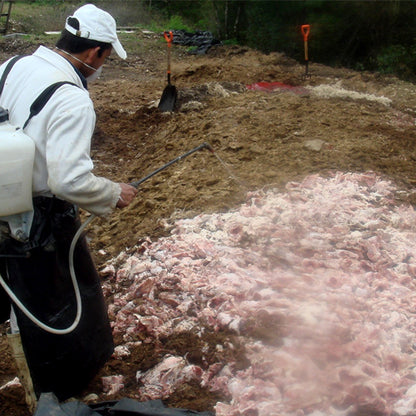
(17, 154)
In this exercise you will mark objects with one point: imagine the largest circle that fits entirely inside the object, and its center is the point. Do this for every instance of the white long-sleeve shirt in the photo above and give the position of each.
(62, 131)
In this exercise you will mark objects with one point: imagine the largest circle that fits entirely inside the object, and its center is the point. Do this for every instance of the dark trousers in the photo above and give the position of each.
(62, 364)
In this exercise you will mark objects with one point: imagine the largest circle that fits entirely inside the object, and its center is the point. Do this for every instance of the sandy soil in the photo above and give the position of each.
(337, 119)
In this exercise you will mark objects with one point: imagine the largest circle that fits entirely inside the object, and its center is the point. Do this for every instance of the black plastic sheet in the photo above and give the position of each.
(203, 40)
(48, 405)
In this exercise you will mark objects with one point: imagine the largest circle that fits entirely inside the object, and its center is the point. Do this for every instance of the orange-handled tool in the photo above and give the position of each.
(305, 31)
(169, 95)
(169, 39)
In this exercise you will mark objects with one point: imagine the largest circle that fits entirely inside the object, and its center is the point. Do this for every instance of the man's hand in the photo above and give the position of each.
(127, 195)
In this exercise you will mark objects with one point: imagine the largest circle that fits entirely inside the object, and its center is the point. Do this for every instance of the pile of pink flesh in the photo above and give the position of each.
(276, 86)
(331, 261)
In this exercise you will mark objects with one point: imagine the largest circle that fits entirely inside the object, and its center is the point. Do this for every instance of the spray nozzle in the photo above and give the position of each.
(208, 146)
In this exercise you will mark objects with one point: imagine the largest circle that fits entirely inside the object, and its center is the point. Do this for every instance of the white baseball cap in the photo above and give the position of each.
(96, 24)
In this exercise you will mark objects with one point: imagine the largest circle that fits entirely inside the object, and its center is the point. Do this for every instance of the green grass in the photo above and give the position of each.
(36, 18)
(40, 16)
(32, 19)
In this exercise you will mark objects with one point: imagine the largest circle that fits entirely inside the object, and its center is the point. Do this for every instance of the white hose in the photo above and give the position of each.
(71, 261)
(74, 283)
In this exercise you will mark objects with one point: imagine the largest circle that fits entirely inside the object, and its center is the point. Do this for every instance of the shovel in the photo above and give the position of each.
(305, 31)
(169, 95)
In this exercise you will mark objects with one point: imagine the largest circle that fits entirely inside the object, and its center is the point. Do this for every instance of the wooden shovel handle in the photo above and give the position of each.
(169, 38)
(305, 31)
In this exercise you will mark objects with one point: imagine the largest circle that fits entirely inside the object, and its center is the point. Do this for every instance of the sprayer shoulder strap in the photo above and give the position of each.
(8, 68)
(43, 98)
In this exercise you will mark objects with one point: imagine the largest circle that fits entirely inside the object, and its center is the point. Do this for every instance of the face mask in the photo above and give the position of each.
(95, 75)
(92, 77)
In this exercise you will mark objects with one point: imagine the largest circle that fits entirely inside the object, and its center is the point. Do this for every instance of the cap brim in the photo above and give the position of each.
(119, 49)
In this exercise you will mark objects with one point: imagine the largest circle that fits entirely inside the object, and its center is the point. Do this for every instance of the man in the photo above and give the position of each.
(62, 181)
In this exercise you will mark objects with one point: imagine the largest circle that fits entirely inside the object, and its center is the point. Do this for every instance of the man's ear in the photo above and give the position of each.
(91, 55)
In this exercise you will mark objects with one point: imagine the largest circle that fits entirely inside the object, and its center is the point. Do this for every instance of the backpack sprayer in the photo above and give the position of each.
(26, 195)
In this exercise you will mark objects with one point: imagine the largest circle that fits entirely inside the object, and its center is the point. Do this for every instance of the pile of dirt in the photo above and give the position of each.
(366, 122)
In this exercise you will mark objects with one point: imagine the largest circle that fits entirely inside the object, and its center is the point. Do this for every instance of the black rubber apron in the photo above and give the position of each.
(62, 364)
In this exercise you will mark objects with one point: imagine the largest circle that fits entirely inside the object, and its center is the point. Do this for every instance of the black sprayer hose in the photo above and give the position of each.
(201, 146)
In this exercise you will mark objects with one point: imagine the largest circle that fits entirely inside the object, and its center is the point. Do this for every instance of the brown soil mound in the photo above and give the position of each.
(339, 120)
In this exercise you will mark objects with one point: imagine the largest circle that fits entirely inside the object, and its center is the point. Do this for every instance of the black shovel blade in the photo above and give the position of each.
(168, 100)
